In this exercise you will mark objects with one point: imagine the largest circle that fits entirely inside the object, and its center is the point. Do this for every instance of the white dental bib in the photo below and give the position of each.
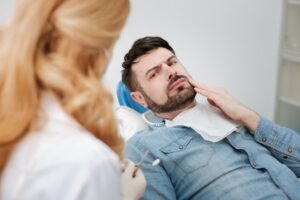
(206, 120)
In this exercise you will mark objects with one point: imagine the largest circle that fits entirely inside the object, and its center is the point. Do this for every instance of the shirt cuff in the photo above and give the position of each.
(279, 138)
(265, 131)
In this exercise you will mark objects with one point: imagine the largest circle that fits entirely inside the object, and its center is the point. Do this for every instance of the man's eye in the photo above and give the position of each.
(153, 75)
(172, 63)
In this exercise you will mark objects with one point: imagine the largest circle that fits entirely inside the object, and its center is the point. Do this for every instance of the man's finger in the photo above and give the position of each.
(204, 87)
(211, 102)
(196, 84)
(210, 95)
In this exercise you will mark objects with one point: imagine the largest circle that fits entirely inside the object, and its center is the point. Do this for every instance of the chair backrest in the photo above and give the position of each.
(125, 99)
(129, 113)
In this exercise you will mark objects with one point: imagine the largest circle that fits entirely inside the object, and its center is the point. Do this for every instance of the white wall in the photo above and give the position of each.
(232, 43)
(6, 8)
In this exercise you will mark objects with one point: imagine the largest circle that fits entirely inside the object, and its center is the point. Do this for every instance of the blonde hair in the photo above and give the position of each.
(58, 46)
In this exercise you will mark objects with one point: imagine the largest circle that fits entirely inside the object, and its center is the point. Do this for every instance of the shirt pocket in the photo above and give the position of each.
(188, 153)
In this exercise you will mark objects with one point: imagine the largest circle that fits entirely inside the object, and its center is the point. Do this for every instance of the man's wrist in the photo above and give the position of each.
(251, 120)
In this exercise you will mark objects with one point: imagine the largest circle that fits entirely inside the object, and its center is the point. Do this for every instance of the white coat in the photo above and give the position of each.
(60, 161)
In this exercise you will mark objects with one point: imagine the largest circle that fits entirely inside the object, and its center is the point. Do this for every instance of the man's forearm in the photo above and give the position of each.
(250, 119)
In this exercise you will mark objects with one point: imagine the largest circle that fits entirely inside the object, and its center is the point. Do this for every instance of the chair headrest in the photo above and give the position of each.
(129, 113)
(125, 99)
(129, 122)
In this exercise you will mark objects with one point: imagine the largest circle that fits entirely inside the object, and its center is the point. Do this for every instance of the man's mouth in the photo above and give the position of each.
(177, 83)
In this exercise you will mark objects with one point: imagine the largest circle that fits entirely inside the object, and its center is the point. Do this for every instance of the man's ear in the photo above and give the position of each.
(138, 97)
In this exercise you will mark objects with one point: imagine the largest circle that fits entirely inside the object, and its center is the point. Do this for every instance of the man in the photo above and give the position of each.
(259, 160)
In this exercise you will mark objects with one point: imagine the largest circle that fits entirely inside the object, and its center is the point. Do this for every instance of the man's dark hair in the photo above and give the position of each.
(140, 47)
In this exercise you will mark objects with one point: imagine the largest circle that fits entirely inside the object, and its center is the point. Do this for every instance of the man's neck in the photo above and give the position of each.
(173, 114)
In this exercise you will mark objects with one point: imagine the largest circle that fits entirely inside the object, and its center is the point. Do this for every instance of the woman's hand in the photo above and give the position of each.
(228, 105)
(133, 187)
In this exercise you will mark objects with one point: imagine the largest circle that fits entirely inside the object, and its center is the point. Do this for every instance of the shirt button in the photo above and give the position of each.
(290, 149)
(264, 139)
(180, 146)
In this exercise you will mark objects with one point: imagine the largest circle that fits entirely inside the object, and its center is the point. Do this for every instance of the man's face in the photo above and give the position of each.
(164, 86)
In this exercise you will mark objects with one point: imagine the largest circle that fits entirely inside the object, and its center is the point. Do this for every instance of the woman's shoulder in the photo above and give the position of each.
(53, 160)
(65, 147)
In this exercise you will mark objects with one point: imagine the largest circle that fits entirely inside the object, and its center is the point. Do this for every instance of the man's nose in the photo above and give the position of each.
(169, 71)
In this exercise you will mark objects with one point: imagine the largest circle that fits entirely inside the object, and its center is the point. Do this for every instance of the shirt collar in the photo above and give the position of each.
(152, 120)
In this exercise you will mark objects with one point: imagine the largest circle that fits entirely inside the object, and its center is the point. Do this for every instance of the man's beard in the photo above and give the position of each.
(174, 103)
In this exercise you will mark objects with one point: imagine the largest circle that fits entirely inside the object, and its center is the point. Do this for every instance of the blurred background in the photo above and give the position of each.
(234, 44)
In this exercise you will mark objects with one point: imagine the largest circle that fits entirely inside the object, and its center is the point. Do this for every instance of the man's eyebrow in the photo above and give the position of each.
(170, 58)
(151, 69)
(155, 67)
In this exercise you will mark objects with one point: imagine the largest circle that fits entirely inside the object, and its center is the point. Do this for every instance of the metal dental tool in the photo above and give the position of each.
(139, 164)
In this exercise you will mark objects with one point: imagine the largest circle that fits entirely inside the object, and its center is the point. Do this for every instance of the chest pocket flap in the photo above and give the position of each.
(178, 145)
(189, 153)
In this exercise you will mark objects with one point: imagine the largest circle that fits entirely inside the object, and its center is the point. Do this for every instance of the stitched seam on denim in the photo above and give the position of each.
(279, 145)
(184, 140)
(287, 146)
(191, 168)
(281, 154)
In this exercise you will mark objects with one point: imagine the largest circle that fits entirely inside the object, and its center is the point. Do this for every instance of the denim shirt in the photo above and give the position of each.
(263, 165)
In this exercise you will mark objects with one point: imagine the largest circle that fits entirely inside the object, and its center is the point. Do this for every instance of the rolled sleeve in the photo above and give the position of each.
(281, 139)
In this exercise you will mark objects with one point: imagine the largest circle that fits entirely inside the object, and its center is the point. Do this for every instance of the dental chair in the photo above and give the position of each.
(125, 99)
(129, 113)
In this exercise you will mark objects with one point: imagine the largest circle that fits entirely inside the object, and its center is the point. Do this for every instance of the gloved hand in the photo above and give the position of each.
(133, 188)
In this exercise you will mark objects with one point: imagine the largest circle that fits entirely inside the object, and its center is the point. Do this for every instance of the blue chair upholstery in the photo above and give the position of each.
(125, 99)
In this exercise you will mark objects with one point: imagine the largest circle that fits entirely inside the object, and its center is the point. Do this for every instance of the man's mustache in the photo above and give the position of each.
(174, 79)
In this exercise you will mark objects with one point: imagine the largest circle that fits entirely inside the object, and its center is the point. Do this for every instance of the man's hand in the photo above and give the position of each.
(228, 105)
(133, 187)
